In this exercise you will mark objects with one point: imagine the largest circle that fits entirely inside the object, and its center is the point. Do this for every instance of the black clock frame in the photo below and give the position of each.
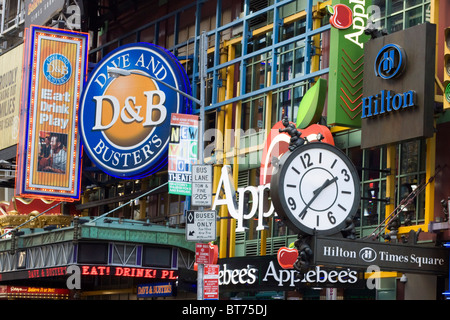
(277, 191)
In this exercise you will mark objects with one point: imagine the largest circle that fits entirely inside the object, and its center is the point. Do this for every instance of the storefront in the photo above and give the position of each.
(340, 269)
(101, 261)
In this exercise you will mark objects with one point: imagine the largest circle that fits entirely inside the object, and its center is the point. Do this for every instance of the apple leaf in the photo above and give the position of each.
(330, 9)
(291, 245)
(311, 107)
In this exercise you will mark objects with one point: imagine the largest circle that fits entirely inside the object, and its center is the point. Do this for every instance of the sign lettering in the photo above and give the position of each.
(389, 257)
(237, 211)
(239, 273)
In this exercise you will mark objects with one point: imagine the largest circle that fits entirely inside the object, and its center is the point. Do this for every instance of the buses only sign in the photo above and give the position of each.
(200, 225)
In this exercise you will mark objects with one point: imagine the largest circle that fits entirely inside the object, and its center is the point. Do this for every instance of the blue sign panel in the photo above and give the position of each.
(154, 290)
(125, 115)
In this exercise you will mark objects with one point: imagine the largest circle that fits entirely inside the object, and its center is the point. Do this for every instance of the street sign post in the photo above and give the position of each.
(211, 282)
(201, 225)
(201, 185)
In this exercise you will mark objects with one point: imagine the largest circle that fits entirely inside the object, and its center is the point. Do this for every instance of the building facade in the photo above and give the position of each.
(263, 57)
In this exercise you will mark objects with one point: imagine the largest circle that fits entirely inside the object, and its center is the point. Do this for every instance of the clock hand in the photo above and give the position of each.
(316, 194)
(325, 184)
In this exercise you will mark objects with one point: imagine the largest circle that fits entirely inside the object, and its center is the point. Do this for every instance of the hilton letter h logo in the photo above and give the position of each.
(388, 61)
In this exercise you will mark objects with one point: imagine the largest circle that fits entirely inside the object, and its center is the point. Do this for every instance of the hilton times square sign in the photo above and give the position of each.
(387, 256)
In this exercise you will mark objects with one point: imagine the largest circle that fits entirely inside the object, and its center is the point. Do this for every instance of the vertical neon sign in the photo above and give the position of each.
(48, 160)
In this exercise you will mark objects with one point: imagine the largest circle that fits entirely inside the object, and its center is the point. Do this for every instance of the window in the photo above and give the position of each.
(125, 254)
(410, 173)
(157, 257)
(92, 253)
(395, 15)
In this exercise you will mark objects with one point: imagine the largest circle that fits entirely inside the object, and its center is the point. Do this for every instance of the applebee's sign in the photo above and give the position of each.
(349, 19)
(266, 273)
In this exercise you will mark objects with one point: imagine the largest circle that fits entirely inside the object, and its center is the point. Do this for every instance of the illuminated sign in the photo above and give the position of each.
(49, 150)
(93, 270)
(154, 290)
(125, 121)
(265, 273)
(19, 292)
(130, 272)
(237, 210)
(182, 152)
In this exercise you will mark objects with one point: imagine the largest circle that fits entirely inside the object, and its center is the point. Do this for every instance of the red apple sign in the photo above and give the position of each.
(286, 257)
(341, 16)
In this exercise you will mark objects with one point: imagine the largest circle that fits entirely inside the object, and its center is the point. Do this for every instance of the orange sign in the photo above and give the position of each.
(49, 152)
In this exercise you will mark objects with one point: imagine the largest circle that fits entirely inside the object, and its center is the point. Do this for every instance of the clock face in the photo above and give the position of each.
(315, 189)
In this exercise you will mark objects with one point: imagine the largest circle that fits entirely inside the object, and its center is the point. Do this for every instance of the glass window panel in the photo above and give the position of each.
(409, 157)
(174, 204)
(411, 3)
(407, 210)
(157, 257)
(413, 17)
(395, 6)
(253, 115)
(370, 212)
(299, 66)
(381, 4)
(395, 23)
(372, 164)
(427, 12)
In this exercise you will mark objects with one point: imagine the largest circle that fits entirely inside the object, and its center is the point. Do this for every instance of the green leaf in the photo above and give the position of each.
(330, 9)
(311, 107)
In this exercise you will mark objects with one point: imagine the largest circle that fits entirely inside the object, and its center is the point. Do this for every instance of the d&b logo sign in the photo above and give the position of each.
(125, 121)
(57, 69)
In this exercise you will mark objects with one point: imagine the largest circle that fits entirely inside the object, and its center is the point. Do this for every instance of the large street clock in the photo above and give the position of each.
(315, 189)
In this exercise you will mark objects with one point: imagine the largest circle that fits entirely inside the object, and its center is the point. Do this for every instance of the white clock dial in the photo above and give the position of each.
(317, 188)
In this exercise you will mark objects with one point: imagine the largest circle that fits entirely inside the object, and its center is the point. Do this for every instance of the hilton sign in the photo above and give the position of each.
(398, 95)
(389, 257)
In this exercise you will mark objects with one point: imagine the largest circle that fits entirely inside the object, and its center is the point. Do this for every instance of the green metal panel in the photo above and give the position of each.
(127, 231)
(137, 233)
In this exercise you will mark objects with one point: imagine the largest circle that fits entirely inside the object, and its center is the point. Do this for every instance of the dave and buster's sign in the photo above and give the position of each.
(125, 121)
